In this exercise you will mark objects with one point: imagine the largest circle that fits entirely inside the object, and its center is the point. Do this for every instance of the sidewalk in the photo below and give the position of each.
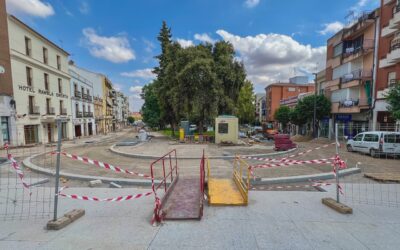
(272, 220)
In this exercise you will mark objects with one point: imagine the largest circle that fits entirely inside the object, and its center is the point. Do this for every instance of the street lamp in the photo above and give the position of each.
(315, 107)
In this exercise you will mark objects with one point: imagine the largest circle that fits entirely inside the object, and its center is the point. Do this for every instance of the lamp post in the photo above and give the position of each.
(315, 107)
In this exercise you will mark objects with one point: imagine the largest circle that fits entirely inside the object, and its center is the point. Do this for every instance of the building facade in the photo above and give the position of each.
(280, 91)
(41, 88)
(350, 74)
(388, 72)
(7, 102)
(82, 106)
(108, 96)
(260, 107)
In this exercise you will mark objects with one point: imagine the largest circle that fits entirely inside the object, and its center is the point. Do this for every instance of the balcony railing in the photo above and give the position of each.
(88, 114)
(78, 114)
(63, 111)
(393, 82)
(50, 111)
(368, 44)
(78, 94)
(356, 75)
(34, 110)
(348, 103)
(395, 44)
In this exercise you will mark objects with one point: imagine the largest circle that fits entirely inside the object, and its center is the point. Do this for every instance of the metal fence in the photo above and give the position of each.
(19, 202)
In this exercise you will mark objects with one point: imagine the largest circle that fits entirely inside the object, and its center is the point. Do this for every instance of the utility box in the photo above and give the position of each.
(226, 129)
(185, 126)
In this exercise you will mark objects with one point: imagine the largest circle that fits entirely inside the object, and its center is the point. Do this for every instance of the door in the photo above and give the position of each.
(357, 142)
(90, 128)
(391, 143)
(370, 141)
(49, 133)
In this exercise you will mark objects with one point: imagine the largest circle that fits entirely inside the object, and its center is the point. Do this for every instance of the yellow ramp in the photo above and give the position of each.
(224, 192)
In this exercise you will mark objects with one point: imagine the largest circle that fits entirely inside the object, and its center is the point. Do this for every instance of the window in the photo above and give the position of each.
(31, 103)
(59, 62)
(392, 138)
(59, 85)
(45, 56)
(223, 128)
(28, 46)
(4, 129)
(337, 50)
(392, 79)
(48, 105)
(61, 107)
(358, 137)
(371, 138)
(46, 81)
(29, 76)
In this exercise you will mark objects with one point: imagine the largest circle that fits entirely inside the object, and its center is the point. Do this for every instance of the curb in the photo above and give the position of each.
(137, 182)
(227, 157)
(304, 178)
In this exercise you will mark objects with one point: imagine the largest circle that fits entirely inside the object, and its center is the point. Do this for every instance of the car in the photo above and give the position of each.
(375, 143)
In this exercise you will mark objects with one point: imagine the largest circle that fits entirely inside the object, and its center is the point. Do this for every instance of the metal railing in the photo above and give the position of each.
(367, 45)
(63, 111)
(78, 94)
(88, 114)
(34, 110)
(50, 111)
(78, 114)
(241, 176)
(348, 103)
(356, 75)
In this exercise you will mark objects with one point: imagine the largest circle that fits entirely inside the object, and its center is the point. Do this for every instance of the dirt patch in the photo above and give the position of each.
(301, 138)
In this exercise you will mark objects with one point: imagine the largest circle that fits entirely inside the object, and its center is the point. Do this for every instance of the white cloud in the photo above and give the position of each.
(117, 86)
(135, 100)
(35, 8)
(331, 28)
(204, 38)
(140, 73)
(84, 8)
(115, 49)
(185, 43)
(251, 3)
(149, 45)
(272, 57)
(136, 91)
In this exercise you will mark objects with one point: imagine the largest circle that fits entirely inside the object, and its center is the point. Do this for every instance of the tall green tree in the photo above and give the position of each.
(282, 115)
(393, 99)
(246, 103)
(151, 108)
(305, 107)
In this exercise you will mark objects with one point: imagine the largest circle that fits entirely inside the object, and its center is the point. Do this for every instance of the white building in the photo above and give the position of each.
(82, 107)
(41, 85)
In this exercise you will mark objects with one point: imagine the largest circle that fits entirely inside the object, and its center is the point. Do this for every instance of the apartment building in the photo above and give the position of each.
(7, 102)
(108, 96)
(260, 107)
(388, 73)
(40, 83)
(350, 74)
(279, 91)
(121, 110)
(82, 106)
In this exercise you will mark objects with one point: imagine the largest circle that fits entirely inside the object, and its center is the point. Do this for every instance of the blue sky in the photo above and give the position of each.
(274, 39)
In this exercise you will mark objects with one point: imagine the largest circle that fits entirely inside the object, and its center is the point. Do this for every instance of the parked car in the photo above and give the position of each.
(375, 143)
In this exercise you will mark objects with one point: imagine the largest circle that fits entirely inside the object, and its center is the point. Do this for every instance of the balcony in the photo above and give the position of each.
(63, 111)
(34, 110)
(77, 94)
(394, 23)
(78, 114)
(348, 106)
(333, 84)
(50, 111)
(88, 114)
(354, 78)
(352, 53)
(361, 22)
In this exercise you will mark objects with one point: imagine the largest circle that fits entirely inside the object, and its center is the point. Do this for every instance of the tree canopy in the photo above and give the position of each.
(196, 83)
(393, 99)
(282, 115)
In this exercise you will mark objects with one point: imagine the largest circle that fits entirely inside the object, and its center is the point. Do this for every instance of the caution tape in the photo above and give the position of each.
(290, 163)
(115, 199)
(17, 169)
(102, 164)
(286, 159)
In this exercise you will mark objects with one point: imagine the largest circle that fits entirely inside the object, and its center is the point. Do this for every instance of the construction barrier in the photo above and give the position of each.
(116, 199)
(242, 180)
(17, 169)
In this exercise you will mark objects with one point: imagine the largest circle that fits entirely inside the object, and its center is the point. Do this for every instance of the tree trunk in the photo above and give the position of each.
(172, 129)
(200, 127)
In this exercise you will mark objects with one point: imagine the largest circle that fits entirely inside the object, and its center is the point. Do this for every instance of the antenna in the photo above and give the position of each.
(350, 17)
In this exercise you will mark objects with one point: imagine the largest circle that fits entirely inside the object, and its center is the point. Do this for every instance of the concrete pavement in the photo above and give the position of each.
(272, 220)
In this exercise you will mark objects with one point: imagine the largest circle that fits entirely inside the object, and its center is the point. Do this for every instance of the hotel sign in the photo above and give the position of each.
(41, 91)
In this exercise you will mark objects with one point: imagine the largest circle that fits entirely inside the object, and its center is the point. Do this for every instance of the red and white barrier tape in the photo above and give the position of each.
(286, 158)
(298, 162)
(102, 165)
(18, 170)
(116, 199)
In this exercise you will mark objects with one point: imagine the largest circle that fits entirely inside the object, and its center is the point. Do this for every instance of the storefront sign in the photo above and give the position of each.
(343, 117)
(61, 95)
(45, 92)
(26, 88)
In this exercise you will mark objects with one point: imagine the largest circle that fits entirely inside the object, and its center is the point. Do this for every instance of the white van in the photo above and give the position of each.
(375, 143)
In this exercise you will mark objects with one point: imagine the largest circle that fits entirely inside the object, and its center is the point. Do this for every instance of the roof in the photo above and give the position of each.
(289, 85)
(37, 33)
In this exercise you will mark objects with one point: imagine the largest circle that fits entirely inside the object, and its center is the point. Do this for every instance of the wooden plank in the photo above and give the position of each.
(339, 207)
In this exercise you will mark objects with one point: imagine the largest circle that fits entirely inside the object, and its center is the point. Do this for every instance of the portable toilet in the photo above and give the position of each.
(226, 129)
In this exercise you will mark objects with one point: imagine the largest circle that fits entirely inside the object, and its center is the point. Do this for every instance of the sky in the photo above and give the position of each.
(274, 39)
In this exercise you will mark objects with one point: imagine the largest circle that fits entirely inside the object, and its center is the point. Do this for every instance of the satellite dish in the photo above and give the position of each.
(2, 70)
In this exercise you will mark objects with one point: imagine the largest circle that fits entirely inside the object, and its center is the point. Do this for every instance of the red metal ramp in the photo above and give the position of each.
(176, 197)
(183, 202)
